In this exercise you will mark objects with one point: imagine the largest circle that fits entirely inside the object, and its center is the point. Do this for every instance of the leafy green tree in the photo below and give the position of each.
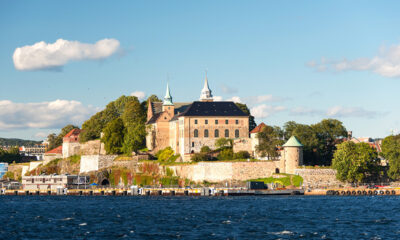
(113, 137)
(92, 128)
(134, 121)
(223, 142)
(245, 109)
(225, 154)
(268, 141)
(355, 162)
(205, 149)
(391, 152)
(152, 98)
(319, 139)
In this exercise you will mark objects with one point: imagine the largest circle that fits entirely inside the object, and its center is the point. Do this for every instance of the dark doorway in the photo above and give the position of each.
(276, 170)
(105, 182)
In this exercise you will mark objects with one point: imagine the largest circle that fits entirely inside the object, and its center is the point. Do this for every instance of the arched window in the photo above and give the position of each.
(196, 133)
(216, 133)
(206, 133)
(236, 133)
(226, 133)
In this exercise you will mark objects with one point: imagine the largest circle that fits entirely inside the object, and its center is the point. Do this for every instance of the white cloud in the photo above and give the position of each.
(40, 135)
(228, 90)
(42, 55)
(263, 98)
(263, 110)
(139, 94)
(55, 114)
(235, 99)
(217, 98)
(386, 63)
(339, 111)
(303, 111)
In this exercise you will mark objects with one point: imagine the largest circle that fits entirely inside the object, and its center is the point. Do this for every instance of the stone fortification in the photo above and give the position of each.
(226, 171)
(95, 162)
(317, 178)
(93, 147)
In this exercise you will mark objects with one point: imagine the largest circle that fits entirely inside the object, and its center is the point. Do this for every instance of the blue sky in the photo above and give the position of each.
(288, 60)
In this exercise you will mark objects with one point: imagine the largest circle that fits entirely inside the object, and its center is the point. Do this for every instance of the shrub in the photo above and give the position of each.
(226, 154)
(199, 157)
(241, 155)
(165, 154)
(169, 172)
(205, 149)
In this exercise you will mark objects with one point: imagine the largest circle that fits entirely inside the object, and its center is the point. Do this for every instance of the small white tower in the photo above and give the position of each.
(206, 95)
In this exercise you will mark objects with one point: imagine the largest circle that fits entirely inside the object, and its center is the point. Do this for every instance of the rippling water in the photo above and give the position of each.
(292, 217)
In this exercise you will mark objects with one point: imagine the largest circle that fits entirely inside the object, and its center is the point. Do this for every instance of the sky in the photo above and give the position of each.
(303, 61)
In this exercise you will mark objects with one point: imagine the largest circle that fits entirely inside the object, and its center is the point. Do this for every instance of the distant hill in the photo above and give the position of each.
(17, 142)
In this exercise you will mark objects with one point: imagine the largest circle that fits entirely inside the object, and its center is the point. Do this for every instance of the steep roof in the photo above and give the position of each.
(292, 142)
(180, 107)
(57, 150)
(75, 131)
(213, 109)
(259, 128)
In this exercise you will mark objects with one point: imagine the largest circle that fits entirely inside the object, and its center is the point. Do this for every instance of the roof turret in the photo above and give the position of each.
(293, 142)
(206, 94)
(168, 98)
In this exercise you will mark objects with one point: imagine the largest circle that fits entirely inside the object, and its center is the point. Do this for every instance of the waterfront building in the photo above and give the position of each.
(52, 182)
(186, 127)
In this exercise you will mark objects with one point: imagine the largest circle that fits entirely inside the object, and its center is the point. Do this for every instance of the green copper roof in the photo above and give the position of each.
(168, 98)
(293, 142)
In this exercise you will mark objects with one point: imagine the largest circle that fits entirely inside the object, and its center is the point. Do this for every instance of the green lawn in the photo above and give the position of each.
(288, 179)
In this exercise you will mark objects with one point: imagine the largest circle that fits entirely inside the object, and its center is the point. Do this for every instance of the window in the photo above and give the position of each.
(206, 133)
(216, 122)
(226, 121)
(226, 133)
(192, 144)
(216, 133)
(236, 133)
(237, 121)
(196, 133)
(195, 121)
(206, 121)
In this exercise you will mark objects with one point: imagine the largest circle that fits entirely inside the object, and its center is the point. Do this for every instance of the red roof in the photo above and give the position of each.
(57, 150)
(74, 131)
(259, 128)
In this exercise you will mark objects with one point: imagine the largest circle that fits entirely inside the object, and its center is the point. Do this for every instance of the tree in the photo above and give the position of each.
(245, 109)
(134, 121)
(151, 98)
(223, 142)
(92, 128)
(391, 152)
(355, 162)
(114, 136)
(268, 141)
(319, 139)
(205, 149)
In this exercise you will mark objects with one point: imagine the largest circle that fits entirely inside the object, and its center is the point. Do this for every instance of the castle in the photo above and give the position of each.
(187, 127)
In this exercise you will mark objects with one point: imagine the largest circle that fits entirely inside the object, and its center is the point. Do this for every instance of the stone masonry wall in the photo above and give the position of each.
(317, 178)
(225, 171)
(95, 162)
(92, 147)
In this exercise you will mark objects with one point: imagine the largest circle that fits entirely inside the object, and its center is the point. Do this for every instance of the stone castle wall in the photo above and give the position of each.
(226, 171)
(316, 178)
(93, 147)
(95, 162)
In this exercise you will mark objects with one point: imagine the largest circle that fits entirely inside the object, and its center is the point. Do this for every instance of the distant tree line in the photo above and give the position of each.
(17, 142)
(319, 140)
(10, 156)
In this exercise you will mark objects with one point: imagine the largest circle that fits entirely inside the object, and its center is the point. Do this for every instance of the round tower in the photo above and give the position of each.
(292, 155)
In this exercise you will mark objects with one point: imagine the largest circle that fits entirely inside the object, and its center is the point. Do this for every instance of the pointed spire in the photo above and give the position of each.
(206, 94)
(168, 98)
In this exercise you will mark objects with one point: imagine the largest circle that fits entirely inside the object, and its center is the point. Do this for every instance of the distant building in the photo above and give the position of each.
(53, 154)
(52, 182)
(71, 145)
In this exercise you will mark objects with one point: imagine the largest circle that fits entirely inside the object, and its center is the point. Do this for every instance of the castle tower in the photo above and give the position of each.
(292, 155)
(168, 105)
(206, 95)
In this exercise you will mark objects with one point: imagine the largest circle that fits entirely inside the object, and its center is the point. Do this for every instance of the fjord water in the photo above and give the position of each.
(286, 217)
